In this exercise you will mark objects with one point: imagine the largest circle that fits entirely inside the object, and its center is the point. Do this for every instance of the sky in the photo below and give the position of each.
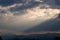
(29, 15)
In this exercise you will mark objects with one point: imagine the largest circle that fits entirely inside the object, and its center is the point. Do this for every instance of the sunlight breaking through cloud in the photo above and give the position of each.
(21, 17)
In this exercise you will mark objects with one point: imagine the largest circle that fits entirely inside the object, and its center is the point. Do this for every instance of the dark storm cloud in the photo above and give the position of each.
(9, 2)
(49, 25)
(25, 6)
(28, 3)
(57, 2)
(17, 8)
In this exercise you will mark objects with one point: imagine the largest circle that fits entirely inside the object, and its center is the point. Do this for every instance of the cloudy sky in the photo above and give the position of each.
(29, 15)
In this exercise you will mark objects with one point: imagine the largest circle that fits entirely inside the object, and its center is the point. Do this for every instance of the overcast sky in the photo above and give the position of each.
(27, 15)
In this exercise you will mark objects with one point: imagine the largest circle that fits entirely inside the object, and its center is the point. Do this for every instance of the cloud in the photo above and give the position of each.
(22, 16)
(29, 18)
(57, 2)
(49, 25)
(9, 2)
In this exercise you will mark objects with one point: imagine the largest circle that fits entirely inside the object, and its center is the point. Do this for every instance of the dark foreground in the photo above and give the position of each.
(31, 37)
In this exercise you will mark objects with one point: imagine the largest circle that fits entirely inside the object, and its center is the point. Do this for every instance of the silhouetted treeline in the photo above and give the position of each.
(57, 38)
(1, 38)
(33, 37)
